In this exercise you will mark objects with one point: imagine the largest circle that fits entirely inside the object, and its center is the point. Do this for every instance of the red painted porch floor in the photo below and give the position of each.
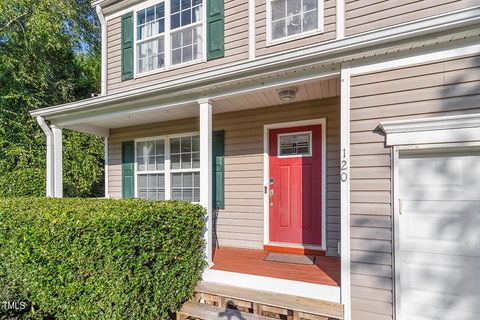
(326, 270)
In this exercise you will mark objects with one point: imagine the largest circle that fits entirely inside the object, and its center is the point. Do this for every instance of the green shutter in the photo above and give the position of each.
(215, 29)
(218, 179)
(127, 46)
(128, 163)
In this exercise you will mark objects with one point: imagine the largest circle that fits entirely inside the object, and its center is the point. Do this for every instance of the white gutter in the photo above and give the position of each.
(48, 133)
(103, 25)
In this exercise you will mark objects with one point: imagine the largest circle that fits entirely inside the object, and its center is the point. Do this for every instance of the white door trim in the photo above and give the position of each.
(396, 151)
(266, 173)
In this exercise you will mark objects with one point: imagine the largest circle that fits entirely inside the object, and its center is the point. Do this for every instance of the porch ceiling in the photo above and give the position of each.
(310, 90)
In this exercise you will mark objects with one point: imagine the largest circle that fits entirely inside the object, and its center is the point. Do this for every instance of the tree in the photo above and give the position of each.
(49, 55)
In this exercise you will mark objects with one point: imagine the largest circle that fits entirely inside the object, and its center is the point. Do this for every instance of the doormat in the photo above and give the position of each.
(290, 258)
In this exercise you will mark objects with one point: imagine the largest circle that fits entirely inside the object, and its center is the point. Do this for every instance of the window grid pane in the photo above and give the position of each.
(290, 17)
(151, 186)
(186, 45)
(295, 144)
(184, 154)
(186, 186)
(151, 155)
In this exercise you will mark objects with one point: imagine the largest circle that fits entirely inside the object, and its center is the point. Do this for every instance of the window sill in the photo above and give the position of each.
(174, 67)
(311, 33)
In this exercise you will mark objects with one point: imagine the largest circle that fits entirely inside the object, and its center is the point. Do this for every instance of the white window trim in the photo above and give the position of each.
(167, 171)
(167, 36)
(310, 145)
(266, 174)
(320, 29)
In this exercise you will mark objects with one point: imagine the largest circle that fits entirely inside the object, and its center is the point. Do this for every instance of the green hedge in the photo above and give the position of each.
(98, 258)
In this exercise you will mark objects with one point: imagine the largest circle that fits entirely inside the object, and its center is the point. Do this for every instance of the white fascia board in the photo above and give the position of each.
(229, 73)
(450, 129)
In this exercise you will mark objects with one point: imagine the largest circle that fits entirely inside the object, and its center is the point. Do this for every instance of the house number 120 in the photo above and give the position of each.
(343, 167)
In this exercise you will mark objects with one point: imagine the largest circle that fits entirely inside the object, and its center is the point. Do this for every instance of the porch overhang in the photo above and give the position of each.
(308, 64)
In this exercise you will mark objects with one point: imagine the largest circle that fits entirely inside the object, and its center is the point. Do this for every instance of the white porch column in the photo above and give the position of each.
(105, 148)
(57, 161)
(345, 189)
(206, 171)
(49, 169)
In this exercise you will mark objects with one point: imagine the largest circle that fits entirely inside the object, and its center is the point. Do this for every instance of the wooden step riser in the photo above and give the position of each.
(267, 303)
(256, 308)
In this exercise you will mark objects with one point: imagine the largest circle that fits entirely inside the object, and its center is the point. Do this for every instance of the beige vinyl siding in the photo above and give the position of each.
(261, 48)
(368, 15)
(436, 89)
(240, 224)
(236, 49)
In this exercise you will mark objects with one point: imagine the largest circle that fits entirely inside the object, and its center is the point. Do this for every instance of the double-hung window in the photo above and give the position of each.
(168, 168)
(169, 33)
(293, 18)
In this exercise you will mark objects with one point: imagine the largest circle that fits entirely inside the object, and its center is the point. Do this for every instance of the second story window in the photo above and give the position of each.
(291, 18)
(150, 38)
(168, 33)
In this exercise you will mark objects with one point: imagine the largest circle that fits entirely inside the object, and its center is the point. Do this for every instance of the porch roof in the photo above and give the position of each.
(294, 67)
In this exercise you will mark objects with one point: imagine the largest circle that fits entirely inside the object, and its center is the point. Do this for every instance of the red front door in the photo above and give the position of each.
(295, 186)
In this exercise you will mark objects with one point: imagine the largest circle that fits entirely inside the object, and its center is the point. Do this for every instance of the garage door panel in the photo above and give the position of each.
(441, 176)
(439, 236)
(441, 226)
(449, 311)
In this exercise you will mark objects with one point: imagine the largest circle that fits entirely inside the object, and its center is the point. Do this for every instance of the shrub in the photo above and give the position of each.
(100, 258)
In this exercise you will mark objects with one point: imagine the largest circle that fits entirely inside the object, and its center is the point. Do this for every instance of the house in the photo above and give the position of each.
(341, 131)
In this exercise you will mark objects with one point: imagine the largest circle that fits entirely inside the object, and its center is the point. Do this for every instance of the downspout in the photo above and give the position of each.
(107, 194)
(103, 25)
(48, 133)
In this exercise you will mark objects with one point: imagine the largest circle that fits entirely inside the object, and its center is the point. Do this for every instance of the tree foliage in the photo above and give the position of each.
(49, 55)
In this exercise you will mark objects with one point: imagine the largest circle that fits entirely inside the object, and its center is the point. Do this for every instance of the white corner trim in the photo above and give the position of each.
(340, 19)
(103, 26)
(449, 129)
(290, 287)
(266, 173)
(345, 189)
(251, 29)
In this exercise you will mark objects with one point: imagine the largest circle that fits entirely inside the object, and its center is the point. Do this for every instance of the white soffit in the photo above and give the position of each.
(450, 129)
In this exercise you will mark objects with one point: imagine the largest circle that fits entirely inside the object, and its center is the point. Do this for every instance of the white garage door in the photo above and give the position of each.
(439, 236)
